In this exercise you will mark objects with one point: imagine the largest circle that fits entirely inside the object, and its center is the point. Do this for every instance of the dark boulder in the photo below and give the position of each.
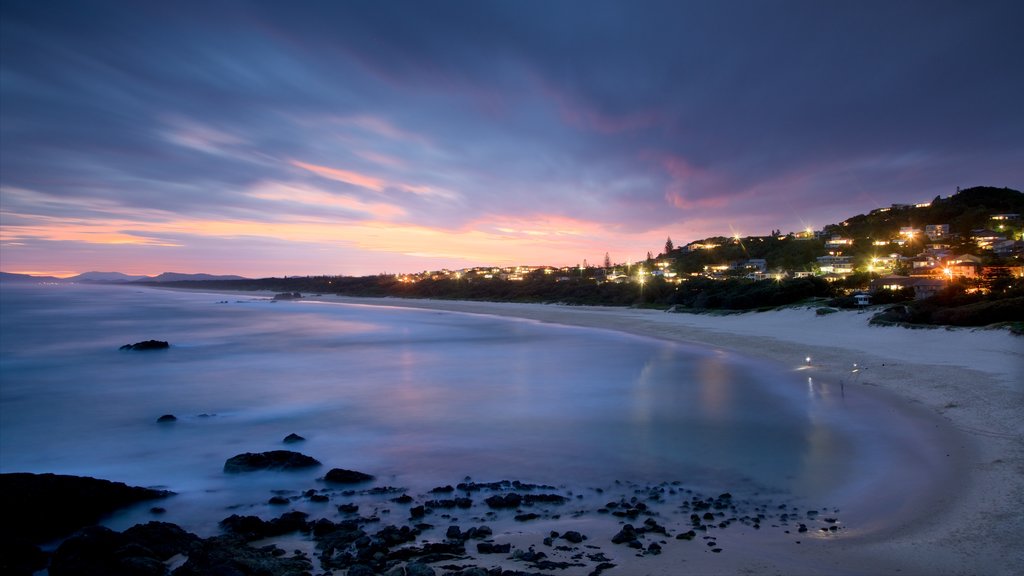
(42, 507)
(139, 551)
(574, 536)
(167, 418)
(147, 345)
(293, 438)
(626, 535)
(342, 476)
(162, 538)
(490, 548)
(231, 555)
(18, 557)
(273, 460)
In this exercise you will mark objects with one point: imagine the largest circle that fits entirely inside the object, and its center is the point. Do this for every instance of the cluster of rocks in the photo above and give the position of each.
(648, 517)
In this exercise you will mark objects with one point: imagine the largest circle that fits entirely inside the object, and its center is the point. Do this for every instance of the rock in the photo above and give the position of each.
(21, 558)
(687, 535)
(147, 345)
(348, 508)
(508, 501)
(287, 296)
(453, 533)
(573, 536)
(231, 555)
(139, 551)
(167, 418)
(418, 569)
(627, 534)
(293, 438)
(42, 507)
(654, 548)
(162, 538)
(273, 460)
(491, 548)
(342, 476)
(278, 501)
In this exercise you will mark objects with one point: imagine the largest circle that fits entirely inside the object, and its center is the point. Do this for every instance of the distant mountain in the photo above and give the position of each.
(178, 277)
(116, 277)
(106, 277)
(11, 277)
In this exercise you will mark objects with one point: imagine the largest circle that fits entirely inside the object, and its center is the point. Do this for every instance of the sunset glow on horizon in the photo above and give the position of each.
(262, 139)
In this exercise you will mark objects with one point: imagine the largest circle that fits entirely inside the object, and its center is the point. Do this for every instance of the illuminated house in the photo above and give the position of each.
(936, 231)
(923, 287)
(835, 264)
(986, 238)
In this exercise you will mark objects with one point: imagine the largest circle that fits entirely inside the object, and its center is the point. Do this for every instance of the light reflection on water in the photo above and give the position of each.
(417, 398)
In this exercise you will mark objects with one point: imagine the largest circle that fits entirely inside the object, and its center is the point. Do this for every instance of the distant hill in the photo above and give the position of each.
(117, 278)
(179, 277)
(106, 277)
(11, 277)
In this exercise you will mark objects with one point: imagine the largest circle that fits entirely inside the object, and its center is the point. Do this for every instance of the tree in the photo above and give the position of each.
(649, 256)
(669, 247)
(607, 260)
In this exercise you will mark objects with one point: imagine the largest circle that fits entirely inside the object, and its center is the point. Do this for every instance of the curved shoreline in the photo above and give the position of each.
(967, 381)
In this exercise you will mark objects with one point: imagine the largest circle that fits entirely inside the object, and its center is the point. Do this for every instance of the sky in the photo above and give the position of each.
(358, 137)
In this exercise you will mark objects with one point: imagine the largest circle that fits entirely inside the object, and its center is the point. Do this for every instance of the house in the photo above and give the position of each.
(986, 238)
(1006, 248)
(936, 231)
(756, 265)
(923, 287)
(837, 241)
(835, 264)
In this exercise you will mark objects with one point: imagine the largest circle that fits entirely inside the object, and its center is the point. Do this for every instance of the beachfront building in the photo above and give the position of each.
(923, 287)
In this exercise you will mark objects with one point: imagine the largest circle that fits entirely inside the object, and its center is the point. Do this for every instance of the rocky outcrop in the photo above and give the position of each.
(273, 460)
(343, 476)
(42, 507)
(147, 345)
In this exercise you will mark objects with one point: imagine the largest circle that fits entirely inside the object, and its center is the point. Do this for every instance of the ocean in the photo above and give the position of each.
(419, 399)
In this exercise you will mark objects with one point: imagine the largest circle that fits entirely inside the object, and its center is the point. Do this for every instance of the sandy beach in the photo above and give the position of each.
(969, 384)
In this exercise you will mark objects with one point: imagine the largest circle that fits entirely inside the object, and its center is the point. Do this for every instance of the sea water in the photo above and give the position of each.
(417, 398)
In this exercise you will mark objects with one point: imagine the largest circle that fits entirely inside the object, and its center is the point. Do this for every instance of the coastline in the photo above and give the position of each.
(958, 389)
(965, 381)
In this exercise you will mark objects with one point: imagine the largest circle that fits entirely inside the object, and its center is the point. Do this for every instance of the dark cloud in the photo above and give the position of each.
(639, 117)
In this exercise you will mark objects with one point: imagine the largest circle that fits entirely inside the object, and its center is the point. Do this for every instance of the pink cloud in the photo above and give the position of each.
(346, 176)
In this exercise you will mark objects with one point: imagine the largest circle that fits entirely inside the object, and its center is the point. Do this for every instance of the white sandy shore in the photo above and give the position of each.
(969, 381)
